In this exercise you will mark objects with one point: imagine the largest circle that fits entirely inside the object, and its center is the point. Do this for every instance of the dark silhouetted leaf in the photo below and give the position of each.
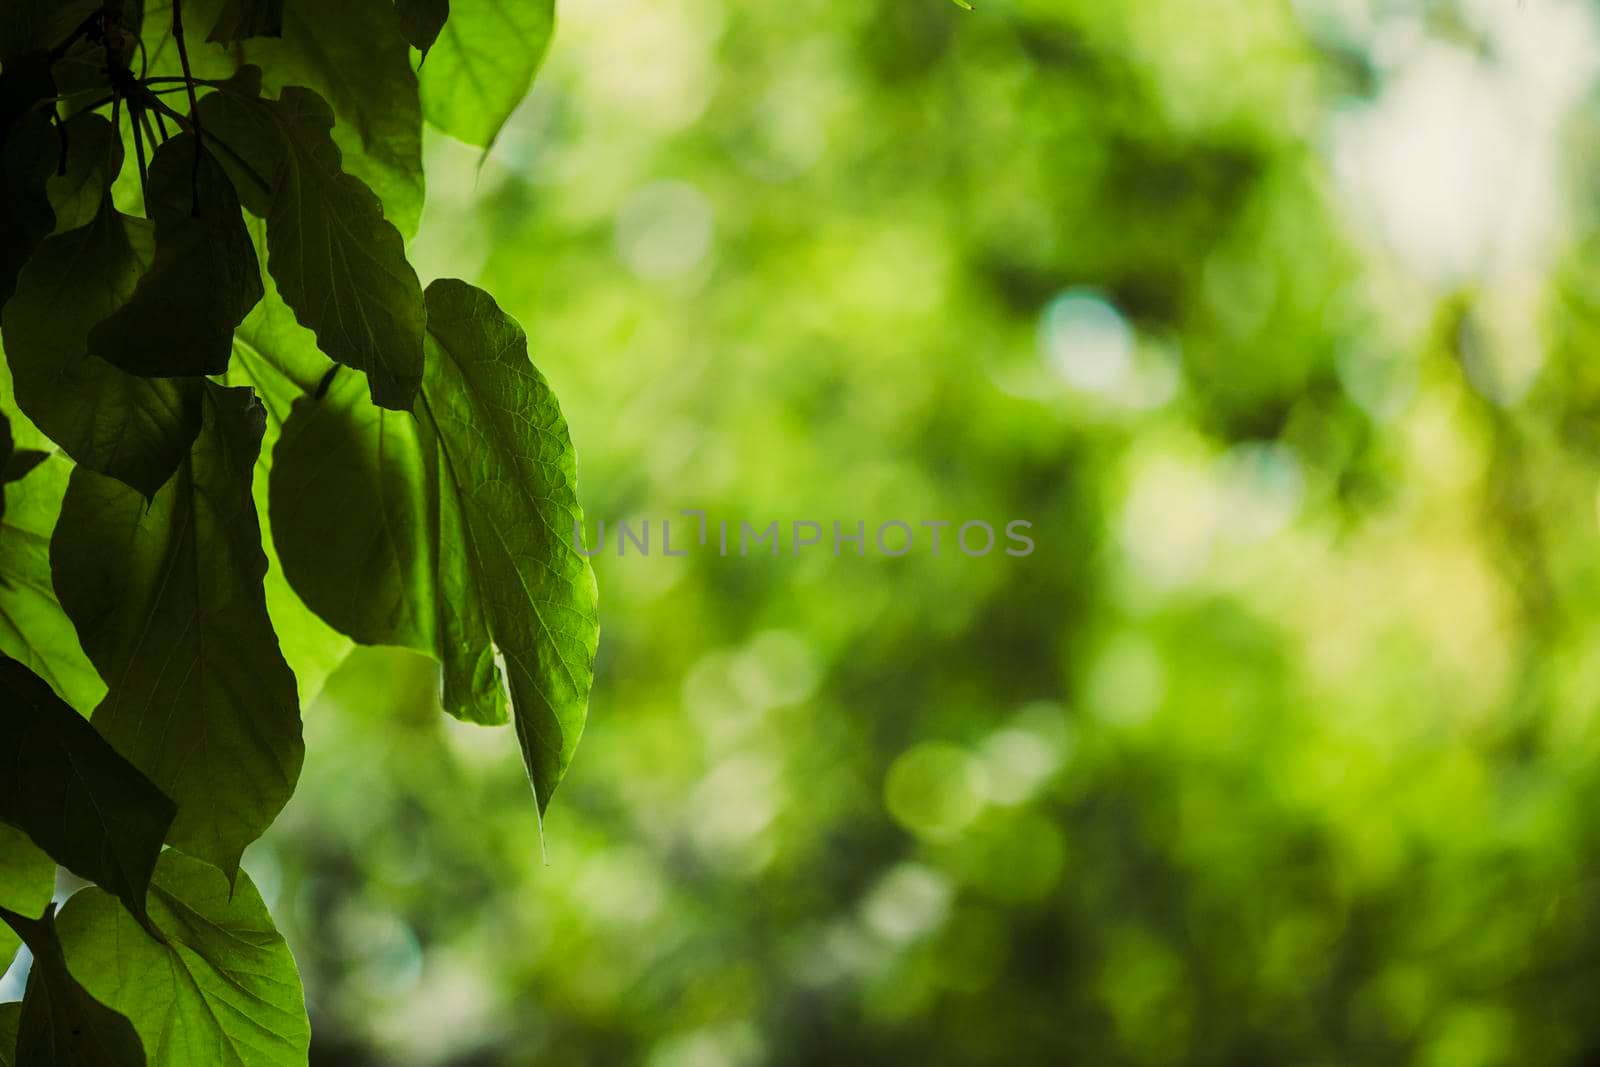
(222, 990)
(481, 66)
(61, 1024)
(168, 603)
(81, 802)
(10, 1019)
(421, 20)
(38, 25)
(334, 258)
(453, 536)
(203, 282)
(241, 19)
(130, 428)
(27, 159)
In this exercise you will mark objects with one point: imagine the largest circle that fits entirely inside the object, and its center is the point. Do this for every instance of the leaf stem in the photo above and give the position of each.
(138, 148)
(194, 102)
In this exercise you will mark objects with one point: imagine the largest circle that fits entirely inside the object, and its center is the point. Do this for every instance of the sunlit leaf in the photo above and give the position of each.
(482, 64)
(458, 535)
(168, 602)
(222, 989)
(81, 802)
(34, 630)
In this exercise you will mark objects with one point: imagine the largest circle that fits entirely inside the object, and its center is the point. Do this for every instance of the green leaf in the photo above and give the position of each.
(421, 20)
(168, 603)
(453, 536)
(130, 428)
(34, 629)
(334, 258)
(10, 1019)
(203, 282)
(481, 66)
(505, 455)
(241, 19)
(394, 576)
(94, 159)
(61, 1024)
(222, 990)
(27, 873)
(27, 880)
(81, 802)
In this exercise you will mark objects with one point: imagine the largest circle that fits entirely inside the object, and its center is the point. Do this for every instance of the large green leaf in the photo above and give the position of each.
(222, 990)
(81, 802)
(505, 455)
(130, 428)
(394, 576)
(27, 880)
(421, 20)
(203, 282)
(454, 535)
(481, 66)
(168, 603)
(335, 259)
(61, 1024)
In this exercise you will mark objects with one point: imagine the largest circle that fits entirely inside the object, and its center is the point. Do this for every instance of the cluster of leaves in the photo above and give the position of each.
(237, 434)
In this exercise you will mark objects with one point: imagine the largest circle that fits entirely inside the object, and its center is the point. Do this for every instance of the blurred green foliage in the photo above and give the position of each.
(1281, 746)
